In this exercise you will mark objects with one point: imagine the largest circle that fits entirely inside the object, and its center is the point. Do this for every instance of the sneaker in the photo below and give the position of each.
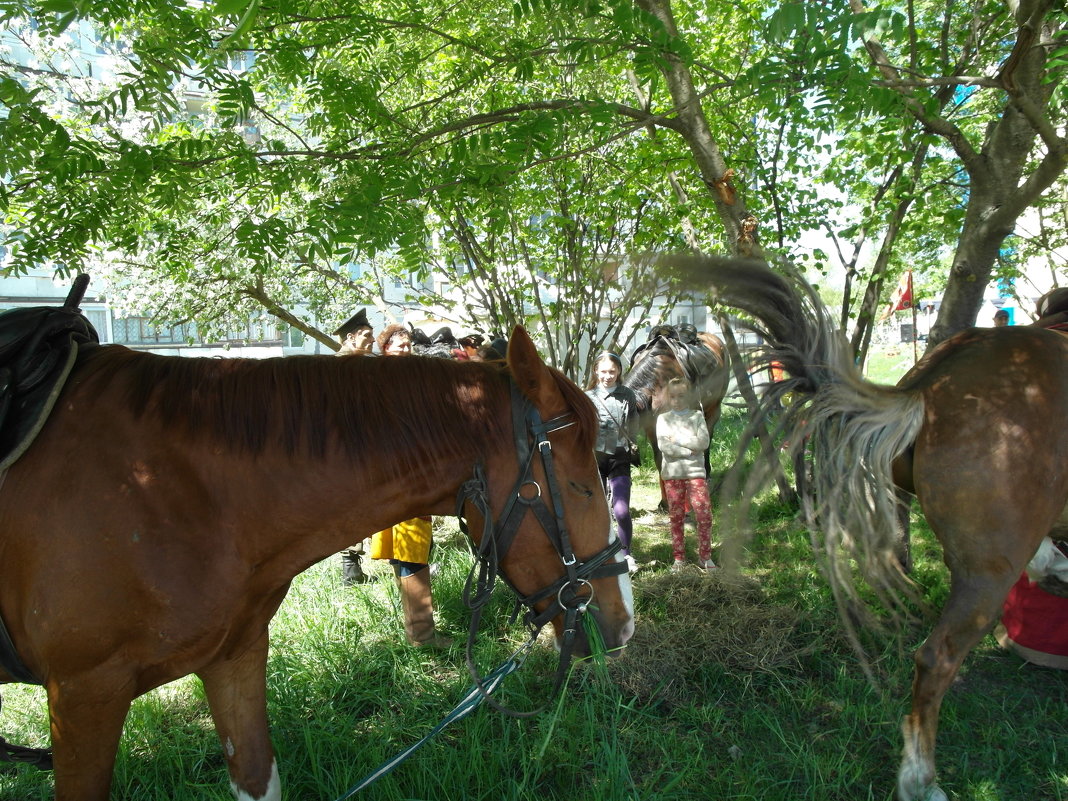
(708, 566)
(632, 566)
(679, 565)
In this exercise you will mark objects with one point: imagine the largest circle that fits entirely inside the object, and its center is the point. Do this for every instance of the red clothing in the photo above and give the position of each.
(1034, 624)
(692, 492)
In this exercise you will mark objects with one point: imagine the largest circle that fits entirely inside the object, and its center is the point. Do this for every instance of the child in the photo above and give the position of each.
(683, 436)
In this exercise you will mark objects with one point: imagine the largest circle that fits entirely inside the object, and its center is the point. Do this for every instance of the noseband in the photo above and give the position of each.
(572, 593)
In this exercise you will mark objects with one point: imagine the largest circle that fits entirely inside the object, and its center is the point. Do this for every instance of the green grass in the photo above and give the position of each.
(887, 363)
(730, 690)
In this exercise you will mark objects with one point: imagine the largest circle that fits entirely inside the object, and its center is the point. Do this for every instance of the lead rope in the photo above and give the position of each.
(478, 590)
(40, 758)
(468, 704)
(477, 593)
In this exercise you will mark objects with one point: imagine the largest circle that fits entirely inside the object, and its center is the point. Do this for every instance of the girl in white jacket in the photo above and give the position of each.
(683, 437)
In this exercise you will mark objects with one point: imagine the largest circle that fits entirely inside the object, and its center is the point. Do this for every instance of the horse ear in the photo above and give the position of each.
(529, 371)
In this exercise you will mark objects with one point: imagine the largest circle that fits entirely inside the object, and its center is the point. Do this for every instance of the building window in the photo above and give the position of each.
(98, 318)
(142, 331)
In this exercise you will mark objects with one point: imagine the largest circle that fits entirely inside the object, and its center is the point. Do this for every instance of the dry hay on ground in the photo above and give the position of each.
(723, 618)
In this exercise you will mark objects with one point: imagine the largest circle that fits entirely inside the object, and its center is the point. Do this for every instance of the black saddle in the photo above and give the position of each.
(38, 346)
(419, 337)
(440, 344)
(443, 336)
(696, 360)
(663, 330)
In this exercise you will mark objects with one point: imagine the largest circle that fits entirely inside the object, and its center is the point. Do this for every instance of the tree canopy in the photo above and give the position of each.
(241, 155)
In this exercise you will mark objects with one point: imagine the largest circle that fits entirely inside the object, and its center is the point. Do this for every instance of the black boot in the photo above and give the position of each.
(352, 569)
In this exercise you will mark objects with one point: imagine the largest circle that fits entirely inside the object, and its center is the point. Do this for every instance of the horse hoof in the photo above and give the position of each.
(919, 790)
(932, 793)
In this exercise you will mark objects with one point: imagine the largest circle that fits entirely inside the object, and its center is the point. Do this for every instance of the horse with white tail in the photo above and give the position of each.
(975, 431)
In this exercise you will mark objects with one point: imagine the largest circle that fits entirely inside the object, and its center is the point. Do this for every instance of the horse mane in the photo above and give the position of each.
(647, 373)
(409, 407)
(412, 408)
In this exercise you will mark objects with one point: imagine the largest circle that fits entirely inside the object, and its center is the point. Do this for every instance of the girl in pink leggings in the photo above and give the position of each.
(682, 436)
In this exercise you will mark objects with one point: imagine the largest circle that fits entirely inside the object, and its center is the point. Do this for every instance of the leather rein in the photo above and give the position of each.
(572, 593)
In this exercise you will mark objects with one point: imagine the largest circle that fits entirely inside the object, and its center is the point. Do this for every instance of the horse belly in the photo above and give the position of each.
(88, 591)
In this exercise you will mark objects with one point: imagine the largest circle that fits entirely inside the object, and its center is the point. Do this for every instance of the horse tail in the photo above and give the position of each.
(849, 429)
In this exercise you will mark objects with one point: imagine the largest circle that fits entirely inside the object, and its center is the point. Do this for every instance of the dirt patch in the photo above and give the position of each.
(690, 619)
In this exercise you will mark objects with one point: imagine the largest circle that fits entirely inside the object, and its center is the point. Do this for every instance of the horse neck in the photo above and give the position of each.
(289, 484)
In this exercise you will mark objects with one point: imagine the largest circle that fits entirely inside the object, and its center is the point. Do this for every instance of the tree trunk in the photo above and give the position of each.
(745, 387)
(973, 264)
(1006, 175)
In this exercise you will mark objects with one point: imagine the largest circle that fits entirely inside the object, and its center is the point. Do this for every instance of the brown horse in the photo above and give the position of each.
(976, 432)
(153, 528)
(663, 358)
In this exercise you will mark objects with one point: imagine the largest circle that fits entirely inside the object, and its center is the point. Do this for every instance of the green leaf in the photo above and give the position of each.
(226, 8)
(244, 25)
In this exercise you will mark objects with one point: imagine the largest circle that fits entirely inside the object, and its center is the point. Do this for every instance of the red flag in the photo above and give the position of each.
(902, 297)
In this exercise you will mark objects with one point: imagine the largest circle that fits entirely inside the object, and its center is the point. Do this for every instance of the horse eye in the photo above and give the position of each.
(580, 489)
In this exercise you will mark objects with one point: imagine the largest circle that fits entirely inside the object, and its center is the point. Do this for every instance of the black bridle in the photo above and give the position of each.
(572, 593)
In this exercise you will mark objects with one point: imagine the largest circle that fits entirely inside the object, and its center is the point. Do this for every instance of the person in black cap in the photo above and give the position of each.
(357, 339)
(356, 334)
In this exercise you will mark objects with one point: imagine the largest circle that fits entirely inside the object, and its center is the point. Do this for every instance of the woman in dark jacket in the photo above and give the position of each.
(617, 448)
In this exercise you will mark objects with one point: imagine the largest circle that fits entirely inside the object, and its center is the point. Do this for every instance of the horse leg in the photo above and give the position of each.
(86, 715)
(236, 690)
(904, 530)
(973, 606)
(658, 460)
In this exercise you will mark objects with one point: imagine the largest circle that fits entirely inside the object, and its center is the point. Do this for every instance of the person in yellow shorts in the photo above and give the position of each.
(407, 544)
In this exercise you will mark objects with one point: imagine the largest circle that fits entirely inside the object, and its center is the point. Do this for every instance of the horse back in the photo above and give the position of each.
(123, 530)
(992, 453)
(1005, 367)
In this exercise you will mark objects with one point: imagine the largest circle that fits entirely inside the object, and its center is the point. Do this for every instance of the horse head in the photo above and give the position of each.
(703, 364)
(550, 519)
